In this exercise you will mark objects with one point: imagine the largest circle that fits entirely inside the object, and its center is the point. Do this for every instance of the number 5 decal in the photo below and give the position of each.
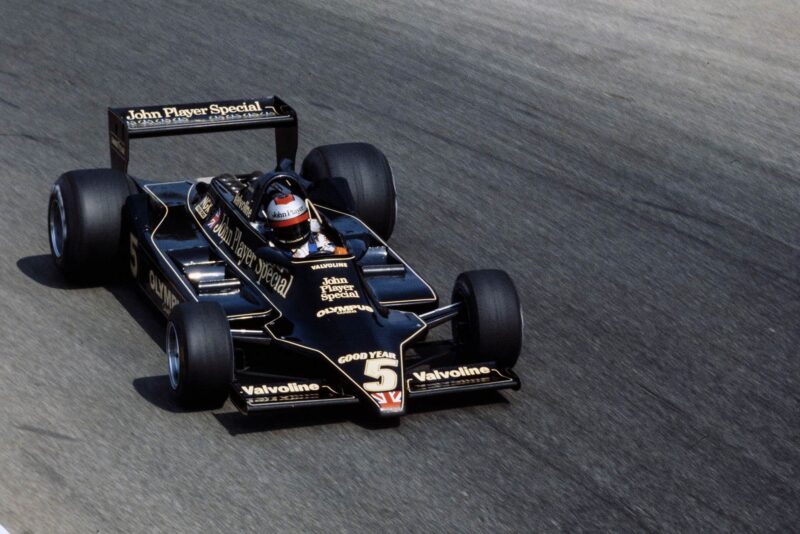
(379, 368)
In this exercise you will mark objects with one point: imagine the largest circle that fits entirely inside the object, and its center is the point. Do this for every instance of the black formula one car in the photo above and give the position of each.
(248, 321)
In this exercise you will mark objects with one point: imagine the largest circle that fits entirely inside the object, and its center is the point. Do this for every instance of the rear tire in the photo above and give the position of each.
(368, 176)
(84, 219)
(489, 325)
(199, 354)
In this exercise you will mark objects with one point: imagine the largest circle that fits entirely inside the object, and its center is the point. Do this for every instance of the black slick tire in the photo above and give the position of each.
(368, 176)
(199, 354)
(84, 218)
(489, 325)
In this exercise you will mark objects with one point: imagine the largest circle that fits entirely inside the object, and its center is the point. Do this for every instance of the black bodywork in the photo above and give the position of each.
(327, 329)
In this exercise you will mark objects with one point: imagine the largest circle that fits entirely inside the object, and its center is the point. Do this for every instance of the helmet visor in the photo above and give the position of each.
(290, 234)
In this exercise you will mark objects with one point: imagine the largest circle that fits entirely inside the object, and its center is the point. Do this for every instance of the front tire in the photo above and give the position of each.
(199, 354)
(489, 325)
(368, 176)
(84, 220)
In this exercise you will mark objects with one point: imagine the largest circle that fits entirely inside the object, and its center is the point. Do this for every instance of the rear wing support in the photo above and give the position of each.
(125, 124)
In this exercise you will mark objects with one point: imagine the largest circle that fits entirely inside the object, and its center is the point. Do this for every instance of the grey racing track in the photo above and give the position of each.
(634, 165)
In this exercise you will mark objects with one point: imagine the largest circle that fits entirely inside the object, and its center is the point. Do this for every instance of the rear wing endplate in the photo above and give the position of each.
(125, 124)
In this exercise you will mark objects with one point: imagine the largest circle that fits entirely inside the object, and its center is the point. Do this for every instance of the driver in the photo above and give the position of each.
(292, 229)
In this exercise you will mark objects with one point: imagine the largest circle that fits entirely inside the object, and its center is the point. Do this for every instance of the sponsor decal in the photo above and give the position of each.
(334, 288)
(286, 212)
(242, 204)
(213, 110)
(139, 115)
(244, 107)
(203, 208)
(291, 387)
(371, 355)
(168, 299)
(224, 231)
(378, 364)
(292, 397)
(461, 372)
(389, 400)
(273, 276)
(329, 265)
(344, 310)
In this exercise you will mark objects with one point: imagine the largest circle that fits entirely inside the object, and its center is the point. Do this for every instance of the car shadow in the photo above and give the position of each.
(156, 391)
(42, 270)
(237, 423)
(456, 401)
(142, 310)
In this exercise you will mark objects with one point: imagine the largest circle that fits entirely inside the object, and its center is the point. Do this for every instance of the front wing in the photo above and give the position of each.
(253, 395)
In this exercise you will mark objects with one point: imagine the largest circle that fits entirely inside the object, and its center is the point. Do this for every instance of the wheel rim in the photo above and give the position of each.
(57, 221)
(173, 356)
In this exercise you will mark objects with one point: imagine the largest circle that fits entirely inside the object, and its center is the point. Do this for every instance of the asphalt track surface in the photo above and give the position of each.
(635, 166)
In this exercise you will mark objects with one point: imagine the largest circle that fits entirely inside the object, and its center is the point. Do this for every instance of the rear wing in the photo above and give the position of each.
(125, 124)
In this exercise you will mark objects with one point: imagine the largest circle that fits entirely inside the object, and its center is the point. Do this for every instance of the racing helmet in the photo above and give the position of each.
(288, 220)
